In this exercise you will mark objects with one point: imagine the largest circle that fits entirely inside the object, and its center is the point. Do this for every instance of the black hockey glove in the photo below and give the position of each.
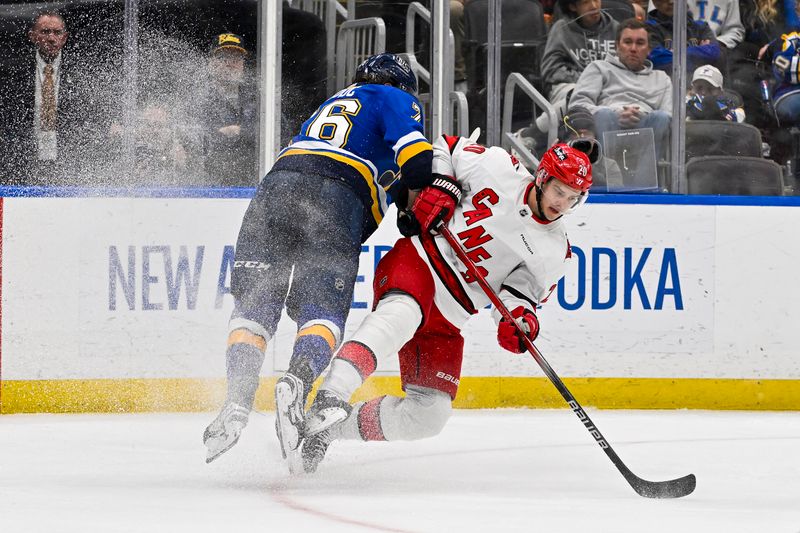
(407, 223)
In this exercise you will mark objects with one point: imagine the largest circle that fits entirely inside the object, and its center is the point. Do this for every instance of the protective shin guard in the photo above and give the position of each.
(313, 349)
(381, 334)
(421, 414)
(390, 326)
(244, 365)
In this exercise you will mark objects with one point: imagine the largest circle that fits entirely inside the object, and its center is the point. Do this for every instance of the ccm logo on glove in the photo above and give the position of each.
(509, 336)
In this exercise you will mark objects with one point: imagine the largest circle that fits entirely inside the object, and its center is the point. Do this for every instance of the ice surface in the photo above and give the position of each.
(492, 470)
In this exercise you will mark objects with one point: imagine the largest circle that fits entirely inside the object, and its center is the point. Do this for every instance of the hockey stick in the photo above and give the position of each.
(674, 488)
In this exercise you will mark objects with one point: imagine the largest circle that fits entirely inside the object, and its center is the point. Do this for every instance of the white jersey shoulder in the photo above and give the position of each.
(521, 257)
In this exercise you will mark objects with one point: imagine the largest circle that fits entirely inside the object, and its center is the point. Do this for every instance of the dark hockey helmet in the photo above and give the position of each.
(568, 165)
(387, 68)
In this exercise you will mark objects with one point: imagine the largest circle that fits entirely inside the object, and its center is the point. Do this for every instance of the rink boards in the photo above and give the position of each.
(117, 304)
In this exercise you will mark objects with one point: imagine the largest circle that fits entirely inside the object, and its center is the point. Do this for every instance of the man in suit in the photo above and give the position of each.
(39, 106)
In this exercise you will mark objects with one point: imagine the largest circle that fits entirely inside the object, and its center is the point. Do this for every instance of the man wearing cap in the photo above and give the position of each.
(229, 115)
(706, 100)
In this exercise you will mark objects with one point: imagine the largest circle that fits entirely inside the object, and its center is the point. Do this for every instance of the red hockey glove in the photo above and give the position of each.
(508, 335)
(437, 202)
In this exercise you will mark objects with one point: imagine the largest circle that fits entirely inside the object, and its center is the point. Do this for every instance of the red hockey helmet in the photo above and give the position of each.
(568, 165)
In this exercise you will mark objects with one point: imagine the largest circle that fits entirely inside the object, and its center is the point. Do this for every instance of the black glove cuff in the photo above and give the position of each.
(407, 223)
(448, 185)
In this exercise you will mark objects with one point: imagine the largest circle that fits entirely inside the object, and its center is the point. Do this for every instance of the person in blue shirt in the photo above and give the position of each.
(784, 53)
(702, 45)
(300, 240)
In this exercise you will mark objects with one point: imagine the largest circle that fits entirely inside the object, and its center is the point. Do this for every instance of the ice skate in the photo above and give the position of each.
(224, 431)
(314, 449)
(326, 411)
(289, 406)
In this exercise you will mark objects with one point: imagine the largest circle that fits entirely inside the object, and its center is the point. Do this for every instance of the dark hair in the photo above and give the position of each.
(630, 24)
(563, 5)
(48, 13)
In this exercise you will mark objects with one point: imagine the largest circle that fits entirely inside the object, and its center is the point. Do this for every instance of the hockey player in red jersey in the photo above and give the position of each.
(510, 224)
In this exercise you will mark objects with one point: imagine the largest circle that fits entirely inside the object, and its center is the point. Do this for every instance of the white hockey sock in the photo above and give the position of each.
(383, 332)
(342, 380)
(421, 414)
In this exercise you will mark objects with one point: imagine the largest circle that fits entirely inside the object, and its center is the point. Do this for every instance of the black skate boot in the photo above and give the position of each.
(326, 411)
(313, 450)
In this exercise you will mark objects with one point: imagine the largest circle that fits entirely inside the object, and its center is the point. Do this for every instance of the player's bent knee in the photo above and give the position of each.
(403, 306)
(242, 330)
(325, 329)
(253, 336)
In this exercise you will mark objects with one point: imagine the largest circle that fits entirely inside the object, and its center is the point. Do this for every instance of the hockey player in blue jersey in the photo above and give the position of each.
(301, 237)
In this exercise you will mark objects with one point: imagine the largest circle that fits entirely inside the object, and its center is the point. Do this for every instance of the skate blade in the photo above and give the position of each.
(294, 460)
(288, 433)
(216, 451)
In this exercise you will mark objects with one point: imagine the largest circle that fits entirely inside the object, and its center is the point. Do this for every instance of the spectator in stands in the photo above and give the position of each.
(706, 100)
(578, 127)
(702, 45)
(764, 21)
(582, 35)
(722, 16)
(161, 158)
(623, 91)
(784, 55)
(41, 110)
(585, 35)
(164, 152)
(639, 10)
(229, 115)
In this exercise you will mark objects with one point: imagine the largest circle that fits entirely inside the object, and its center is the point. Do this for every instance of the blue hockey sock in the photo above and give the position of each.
(244, 365)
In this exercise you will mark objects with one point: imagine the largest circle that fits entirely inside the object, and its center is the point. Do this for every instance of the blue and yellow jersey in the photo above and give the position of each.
(786, 64)
(368, 136)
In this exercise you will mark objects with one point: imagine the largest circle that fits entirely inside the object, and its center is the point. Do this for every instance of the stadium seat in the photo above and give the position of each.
(720, 137)
(619, 9)
(733, 175)
(523, 37)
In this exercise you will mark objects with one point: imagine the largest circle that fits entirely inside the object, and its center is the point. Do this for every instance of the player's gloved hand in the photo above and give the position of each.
(508, 336)
(436, 203)
(407, 223)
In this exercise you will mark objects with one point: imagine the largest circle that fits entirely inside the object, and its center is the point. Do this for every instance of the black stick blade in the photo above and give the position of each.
(674, 488)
